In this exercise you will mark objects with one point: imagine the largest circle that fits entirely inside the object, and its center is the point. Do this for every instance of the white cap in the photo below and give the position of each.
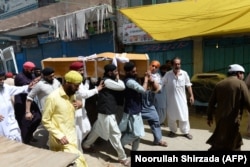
(235, 68)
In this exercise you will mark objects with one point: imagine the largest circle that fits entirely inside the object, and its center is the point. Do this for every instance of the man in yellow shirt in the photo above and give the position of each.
(59, 117)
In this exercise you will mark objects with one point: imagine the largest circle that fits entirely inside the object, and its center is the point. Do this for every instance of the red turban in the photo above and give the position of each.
(76, 65)
(28, 65)
(9, 75)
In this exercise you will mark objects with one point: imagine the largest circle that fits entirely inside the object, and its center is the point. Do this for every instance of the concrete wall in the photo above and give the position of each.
(121, 19)
(197, 55)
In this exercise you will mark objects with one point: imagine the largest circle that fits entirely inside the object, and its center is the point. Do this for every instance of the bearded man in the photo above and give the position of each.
(59, 117)
(8, 124)
(43, 88)
(27, 127)
(106, 125)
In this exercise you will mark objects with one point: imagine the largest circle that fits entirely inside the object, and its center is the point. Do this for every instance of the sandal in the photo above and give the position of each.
(162, 143)
(171, 134)
(125, 162)
(190, 137)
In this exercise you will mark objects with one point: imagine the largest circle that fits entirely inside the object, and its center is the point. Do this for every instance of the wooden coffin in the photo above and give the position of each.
(94, 64)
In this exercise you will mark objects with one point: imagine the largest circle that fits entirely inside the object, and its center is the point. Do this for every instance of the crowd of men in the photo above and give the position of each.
(34, 98)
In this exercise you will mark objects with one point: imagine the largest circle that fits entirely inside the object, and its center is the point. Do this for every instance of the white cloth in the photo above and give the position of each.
(83, 125)
(157, 78)
(107, 123)
(9, 81)
(104, 124)
(74, 24)
(80, 24)
(59, 23)
(9, 126)
(41, 90)
(183, 125)
(70, 26)
(177, 108)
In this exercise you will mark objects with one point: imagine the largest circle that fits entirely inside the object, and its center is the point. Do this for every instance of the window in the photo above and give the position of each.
(135, 3)
(148, 2)
(162, 1)
(7, 60)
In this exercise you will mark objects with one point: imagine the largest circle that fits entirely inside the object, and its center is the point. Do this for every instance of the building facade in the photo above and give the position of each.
(199, 54)
(114, 33)
(59, 29)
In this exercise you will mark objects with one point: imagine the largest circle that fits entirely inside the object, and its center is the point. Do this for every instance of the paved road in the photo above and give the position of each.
(106, 155)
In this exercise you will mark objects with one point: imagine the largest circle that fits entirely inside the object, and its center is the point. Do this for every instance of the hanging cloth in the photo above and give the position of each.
(80, 24)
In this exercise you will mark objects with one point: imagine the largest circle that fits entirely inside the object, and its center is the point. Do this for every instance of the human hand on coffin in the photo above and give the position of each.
(122, 59)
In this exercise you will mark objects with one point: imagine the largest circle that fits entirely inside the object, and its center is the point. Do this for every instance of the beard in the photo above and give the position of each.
(113, 76)
(132, 76)
(177, 68)
(49, 81)
(70, 92)
(28, 74)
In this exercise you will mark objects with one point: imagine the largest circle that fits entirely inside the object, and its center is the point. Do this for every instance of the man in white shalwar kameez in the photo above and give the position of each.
(83, 125)
(176, 82)
(106, 125)
(8, 123)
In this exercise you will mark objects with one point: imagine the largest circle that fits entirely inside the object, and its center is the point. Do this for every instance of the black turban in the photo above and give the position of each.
(47, 71)
(109, 67)
(129, 66)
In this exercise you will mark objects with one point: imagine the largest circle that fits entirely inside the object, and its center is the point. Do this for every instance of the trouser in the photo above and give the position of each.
(129, 138)
(183, 125)
(132, 130)
(27, 127)
(154, 123)
(114, 138)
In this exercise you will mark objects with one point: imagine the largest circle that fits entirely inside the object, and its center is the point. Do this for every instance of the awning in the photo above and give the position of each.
(37, 21)
(177, 20)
